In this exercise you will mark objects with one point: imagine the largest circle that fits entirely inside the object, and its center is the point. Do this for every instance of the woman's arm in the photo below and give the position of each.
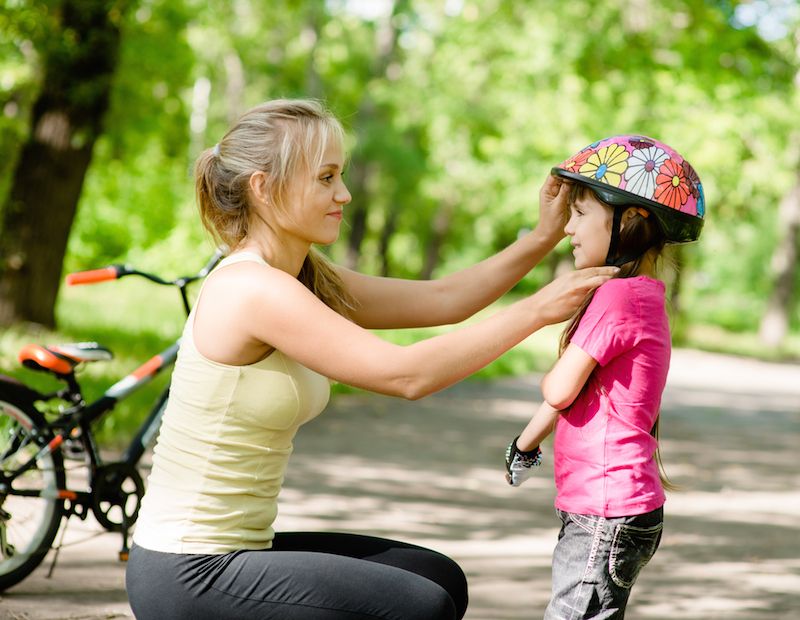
(394, 303)
(281, 312)
(561, 386)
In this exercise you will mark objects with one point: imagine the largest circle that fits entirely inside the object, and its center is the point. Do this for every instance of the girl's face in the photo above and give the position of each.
(589, 229)
(317, 203)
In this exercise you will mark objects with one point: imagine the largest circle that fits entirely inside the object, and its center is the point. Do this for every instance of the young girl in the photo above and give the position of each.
(271, 326)
(630, 196)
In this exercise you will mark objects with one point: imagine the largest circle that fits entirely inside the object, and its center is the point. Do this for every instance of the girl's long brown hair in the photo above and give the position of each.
(281, 138)
(642, 237)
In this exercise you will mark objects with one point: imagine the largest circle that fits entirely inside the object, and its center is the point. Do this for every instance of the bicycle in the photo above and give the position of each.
(34, 498)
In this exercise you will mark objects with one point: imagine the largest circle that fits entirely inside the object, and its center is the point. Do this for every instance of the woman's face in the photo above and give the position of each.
(317, 203)
(589, 229)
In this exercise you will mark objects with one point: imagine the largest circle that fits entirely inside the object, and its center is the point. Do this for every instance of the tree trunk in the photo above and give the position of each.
(775, 322)
(386, 36)
(66, 121)
(441, 226)
(315, 21)
(235, 82)
(674, 279)
(359, 173)
(389, 228)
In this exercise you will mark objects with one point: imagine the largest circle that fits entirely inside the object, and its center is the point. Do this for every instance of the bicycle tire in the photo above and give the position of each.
(31, 523)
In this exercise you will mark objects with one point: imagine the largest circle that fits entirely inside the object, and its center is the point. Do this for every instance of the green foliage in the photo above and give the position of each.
(456, 126)
(137, 191)
(23, 27)
(155, 71)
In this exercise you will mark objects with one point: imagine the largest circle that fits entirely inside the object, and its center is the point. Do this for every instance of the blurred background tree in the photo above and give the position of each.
(456, 111)
(77, 44)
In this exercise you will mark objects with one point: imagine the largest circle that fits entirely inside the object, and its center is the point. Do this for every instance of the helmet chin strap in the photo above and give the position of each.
(616, 226)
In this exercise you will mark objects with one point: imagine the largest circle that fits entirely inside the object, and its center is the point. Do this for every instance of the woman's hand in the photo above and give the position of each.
(563, 296)
(553, 209)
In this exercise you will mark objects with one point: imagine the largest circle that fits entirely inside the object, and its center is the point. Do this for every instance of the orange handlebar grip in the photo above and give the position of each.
(92, 276)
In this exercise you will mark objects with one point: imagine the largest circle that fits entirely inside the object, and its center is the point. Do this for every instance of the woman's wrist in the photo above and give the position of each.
(547, 237)
(542, 310)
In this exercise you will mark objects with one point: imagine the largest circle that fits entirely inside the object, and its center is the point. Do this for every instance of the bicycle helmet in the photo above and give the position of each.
(632, 170)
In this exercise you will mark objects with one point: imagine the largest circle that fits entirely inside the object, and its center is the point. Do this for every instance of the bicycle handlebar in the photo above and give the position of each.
(93, 275)
(218, 255)
(114, 272)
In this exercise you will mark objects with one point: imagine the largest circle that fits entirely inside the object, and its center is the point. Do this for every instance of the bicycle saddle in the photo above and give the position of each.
(63, 358)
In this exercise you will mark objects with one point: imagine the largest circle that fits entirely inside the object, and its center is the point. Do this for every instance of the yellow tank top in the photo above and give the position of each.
(222, 450)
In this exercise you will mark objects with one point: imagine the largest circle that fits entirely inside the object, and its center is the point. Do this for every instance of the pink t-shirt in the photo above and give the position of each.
(604, 453)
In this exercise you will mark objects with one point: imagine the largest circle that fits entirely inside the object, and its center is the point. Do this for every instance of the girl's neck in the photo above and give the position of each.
(647, 273)
(647, 267)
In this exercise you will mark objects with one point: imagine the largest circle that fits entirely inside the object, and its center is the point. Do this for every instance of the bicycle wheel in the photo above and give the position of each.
(28, 524)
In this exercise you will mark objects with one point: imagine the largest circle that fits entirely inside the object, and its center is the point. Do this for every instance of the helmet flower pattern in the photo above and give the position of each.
(640, 142)
(634, 170)
(672, 189)
(607, 165)
(643, 167)
(701, 201)
(695, 187)
(573, 164)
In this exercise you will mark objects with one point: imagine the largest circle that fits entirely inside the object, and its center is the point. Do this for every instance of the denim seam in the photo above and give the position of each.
(590, 563)
(586, 523)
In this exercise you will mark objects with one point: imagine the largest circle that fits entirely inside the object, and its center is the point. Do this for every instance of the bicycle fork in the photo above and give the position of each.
(6, 548)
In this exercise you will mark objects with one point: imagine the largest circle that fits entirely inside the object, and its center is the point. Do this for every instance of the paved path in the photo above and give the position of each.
(430, 472)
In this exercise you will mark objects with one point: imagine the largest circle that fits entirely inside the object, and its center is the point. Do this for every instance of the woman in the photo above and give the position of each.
(272, 326)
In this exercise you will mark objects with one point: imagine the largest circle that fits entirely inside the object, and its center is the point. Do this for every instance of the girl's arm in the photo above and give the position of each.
(395, 303)
(561, 386)
(523, 453)
(541, 425)
(280, 311)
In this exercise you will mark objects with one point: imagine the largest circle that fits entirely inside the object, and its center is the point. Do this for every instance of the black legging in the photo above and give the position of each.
(305, 576)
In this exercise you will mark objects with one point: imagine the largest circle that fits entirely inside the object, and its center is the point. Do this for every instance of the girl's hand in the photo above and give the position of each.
(553, 209)
(520, 464)
(563, 296)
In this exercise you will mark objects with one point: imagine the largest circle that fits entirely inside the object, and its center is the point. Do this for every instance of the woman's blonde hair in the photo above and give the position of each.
(281, 138)
(641, 236)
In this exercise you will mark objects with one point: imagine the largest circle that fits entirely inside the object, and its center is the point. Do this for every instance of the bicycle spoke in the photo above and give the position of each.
(12, 447)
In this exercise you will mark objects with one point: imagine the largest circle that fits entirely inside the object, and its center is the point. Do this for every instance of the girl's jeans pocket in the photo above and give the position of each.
(631, 549)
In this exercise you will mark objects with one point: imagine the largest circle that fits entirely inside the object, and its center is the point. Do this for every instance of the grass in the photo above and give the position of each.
(719, 340)
(136, 320)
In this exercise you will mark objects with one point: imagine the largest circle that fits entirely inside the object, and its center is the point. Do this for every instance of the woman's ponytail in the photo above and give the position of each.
(221, 198)
(320, 277)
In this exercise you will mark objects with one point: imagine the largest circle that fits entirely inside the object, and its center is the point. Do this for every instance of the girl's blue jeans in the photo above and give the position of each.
(596, 562)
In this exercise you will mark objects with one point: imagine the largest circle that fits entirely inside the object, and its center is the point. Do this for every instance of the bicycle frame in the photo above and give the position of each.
(105, 479)
(82, 416)
(89, 414)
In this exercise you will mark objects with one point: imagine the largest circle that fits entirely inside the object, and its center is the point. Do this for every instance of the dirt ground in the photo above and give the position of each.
(430, 472)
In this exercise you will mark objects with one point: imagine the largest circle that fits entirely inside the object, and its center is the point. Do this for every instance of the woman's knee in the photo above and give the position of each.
(454, 581)
(433, 603)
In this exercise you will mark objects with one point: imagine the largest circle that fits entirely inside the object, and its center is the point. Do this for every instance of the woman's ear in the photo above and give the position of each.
(258, 187)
